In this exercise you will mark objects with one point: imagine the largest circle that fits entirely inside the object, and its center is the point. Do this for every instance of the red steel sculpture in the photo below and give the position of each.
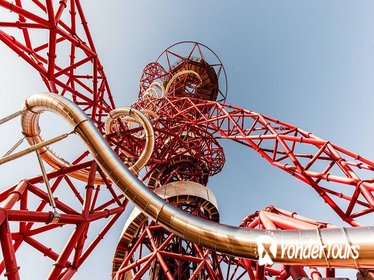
(182, 94)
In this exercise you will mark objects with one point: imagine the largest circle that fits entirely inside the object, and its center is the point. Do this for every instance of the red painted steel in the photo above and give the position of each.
(273, 218)
(66, 58)
(156, 253)
(40, 221)
(324, 166)
(189, 119)
(54, 38)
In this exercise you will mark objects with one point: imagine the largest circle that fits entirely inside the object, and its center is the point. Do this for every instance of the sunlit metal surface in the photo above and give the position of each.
(228, 239)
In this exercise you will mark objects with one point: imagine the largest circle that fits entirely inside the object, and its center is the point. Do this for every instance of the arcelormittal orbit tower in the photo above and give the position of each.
(159, 154)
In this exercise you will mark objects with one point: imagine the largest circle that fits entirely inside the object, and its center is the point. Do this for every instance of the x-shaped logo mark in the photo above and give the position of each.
(267, 249)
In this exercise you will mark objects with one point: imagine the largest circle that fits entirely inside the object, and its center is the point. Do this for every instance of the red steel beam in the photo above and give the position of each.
(282, 145)
(60, 79)
(9, 255)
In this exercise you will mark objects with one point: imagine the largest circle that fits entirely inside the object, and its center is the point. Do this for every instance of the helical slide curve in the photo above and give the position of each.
(224, 238)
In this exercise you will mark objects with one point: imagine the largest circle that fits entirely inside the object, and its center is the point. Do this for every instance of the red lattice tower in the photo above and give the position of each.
(184, 158)
(184, 108)
(182, 95)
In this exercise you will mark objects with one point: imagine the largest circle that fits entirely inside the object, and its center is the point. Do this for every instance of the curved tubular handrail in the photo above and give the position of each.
(318, 247)
(181, 73)
(33, 136)
(136, 116)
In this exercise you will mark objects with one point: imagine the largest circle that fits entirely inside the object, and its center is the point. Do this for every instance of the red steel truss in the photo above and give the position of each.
(191, 262)
(54, 38)
(30, 220)
(151, 251)
(342, 178)
(275, 218)
(182, 93)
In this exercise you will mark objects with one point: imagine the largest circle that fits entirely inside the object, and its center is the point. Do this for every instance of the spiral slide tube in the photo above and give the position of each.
(337, 247)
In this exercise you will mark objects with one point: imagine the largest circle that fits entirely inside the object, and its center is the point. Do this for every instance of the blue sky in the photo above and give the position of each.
(308, 63)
